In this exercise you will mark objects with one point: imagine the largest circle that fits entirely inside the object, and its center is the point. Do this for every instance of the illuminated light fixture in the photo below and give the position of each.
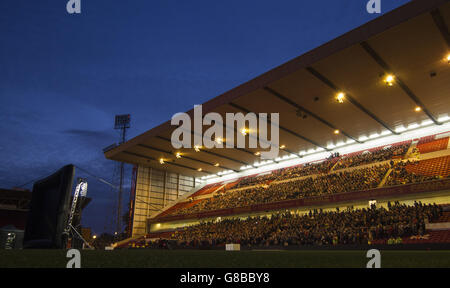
(257, 153)
(278, 159)
(413, 126)
(95, 236)
(389, 80)
(400, 129)
(350, 141)
(443, 118)
(282, 146)
(336, 131)
(217, 164)
(340, 144)
(302, 153)
(310, 151)
(418, 109)
(426, 122)
(178, 155)
(161, 161)
(386, 132)
(340, 97)
(363, 138)
(244, 131)
(197, 148)
(331, 146)
(199, 169)
(218, 140)
(374, 135)
(319, 149)
(448, 58)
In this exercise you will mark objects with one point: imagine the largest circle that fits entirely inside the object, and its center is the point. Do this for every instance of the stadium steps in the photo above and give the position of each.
(334, 165)
(226, 187)
(206, 190)
(431, 167)
(386, 176)
(408, 153)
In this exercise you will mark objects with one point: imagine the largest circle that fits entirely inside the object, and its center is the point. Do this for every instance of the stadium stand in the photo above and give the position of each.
(397, 224)
(359, 171)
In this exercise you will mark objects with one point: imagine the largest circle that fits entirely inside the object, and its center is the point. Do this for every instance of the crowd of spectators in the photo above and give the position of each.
(352, 226)
(339, 182)
(289, 184)
(306, 170)
(258, 180)
(368, 157)
(400, 175)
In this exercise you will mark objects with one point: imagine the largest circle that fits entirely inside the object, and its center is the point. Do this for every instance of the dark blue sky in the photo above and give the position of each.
(64, 77)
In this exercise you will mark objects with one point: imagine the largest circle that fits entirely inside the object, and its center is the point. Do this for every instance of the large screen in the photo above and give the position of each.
(50, 205)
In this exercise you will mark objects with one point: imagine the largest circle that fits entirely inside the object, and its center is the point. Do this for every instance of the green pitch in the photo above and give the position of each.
(201, 258)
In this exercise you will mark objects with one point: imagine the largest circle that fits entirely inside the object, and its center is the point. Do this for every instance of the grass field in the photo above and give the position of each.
(217, 259)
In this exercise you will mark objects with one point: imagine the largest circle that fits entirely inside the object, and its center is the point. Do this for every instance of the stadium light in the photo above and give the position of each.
(340, 97)
(389, 80)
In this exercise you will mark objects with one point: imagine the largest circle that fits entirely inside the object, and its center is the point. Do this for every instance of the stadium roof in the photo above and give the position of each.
(411, 43)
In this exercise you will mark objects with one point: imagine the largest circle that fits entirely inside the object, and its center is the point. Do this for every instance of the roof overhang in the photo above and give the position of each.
(410, 42)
